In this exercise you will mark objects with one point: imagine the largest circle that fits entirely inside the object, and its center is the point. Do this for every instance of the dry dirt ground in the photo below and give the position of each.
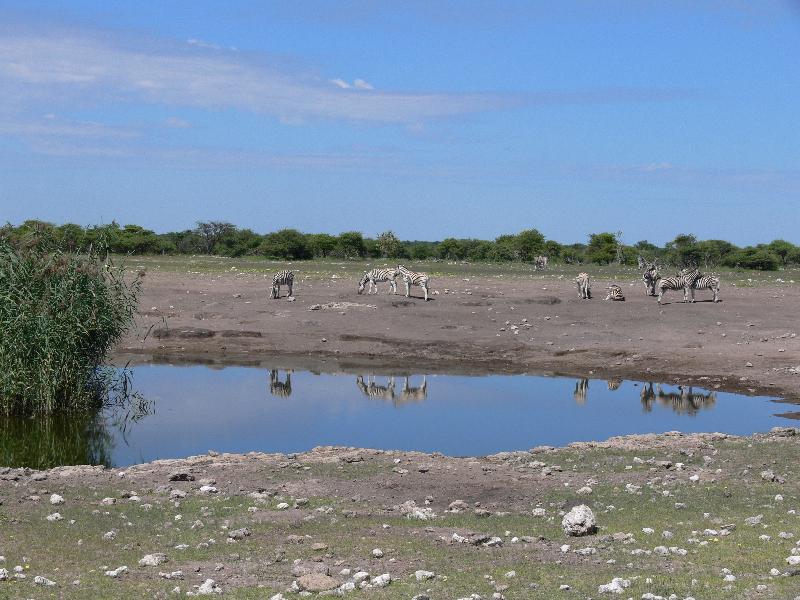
(745, 343)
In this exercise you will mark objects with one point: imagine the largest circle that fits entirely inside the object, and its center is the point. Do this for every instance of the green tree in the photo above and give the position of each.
(781, 248)
(287, 244)
(388, 245)
(321, 244)
(350, 244)
(211, 232)
(451, 249)
(602, 248)
(528, 244)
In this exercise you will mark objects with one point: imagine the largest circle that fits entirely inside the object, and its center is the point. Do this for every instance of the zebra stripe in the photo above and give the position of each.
(412, 278)
(375, 276)
(705, 282)
(283, 278)
(615, 293)
(584, 286)
(650, 277)
(682, 281)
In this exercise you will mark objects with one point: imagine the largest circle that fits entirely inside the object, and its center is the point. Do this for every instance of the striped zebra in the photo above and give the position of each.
(682, 281)
(584, 286)
(615, 293)
(375, 276)
(539, 263)
(283, 278)
(412, 278)
(650, 277)
(705, 282)
(613, 384)
(414, 394)
(373, 390)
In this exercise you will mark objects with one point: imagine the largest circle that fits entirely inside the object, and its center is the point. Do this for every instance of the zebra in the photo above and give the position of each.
(373, 390)
(647, 396)
(279, 388)
(584, 287)
(615, 293)
(283, 278)
(650, 277)
(705, 282)
(686, 400)
(581, 390)
(375, 276)
(641, 262)
(539, 263)
(412, 278)
(682, 281)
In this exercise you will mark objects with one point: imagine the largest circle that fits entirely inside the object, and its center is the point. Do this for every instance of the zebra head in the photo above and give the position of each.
(363, 282)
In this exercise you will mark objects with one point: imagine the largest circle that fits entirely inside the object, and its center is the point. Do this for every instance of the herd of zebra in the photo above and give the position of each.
(685, 401)
(369, 387)
(689, 280)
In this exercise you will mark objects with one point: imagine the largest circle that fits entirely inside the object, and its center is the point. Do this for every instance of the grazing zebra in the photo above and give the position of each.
(705, 282)
(283, 278)
(584, 287)
(279, 388)
(375, 276)
(412, 278)
(614, 384)
(615, 293)
(581, 390)
(682, 281)
(540, 263)
(373, 390)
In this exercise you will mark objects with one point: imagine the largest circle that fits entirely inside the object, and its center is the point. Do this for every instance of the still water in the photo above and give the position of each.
(192, 409)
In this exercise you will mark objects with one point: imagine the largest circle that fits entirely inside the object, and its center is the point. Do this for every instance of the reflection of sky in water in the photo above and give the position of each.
(232, 410)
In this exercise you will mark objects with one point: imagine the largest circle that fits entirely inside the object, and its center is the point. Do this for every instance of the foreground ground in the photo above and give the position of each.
(481, 318)
(700, 516)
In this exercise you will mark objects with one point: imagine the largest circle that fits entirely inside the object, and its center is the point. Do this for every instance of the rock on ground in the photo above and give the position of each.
(579, 521)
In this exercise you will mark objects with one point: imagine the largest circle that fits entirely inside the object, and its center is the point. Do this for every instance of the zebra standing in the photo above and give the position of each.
(540, 263)
(584, 286)
(650, 277)
(412, 278)
(280, 388)
(373, 390)
(375, 276)
(615, 293)
(581, 390)
(283, 278)
(705, 282)
(414, 394)
(682, 281)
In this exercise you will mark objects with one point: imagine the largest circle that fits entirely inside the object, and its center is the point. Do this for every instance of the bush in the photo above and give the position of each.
(59, 316)
(753, 258)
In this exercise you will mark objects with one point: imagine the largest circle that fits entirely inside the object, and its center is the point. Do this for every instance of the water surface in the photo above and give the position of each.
(242, 409)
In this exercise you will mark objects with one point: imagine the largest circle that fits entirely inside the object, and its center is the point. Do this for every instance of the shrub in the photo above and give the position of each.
(59, 316)
(753, 258)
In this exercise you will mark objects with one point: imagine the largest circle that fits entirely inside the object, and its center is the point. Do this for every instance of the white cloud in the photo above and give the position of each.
(360, 84)
(81, 68)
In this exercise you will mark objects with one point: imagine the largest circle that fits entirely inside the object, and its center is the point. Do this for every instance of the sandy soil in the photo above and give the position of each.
(746, 343)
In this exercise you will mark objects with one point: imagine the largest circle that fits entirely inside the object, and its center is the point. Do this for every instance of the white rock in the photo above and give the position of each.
(282, 506)
(617, 586)
(793, 560)
(381, 580)
(3, 574)
(579, 521)
(210, 489)
(423, 575)
(117, 572)
(152, 560)
(39, 580)
(56, 500)
(108, 501)
(207, 588)
(54, 517)
(377, 553)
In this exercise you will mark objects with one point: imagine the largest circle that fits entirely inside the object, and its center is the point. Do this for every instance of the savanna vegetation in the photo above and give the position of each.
(225, 239)
(60, 313)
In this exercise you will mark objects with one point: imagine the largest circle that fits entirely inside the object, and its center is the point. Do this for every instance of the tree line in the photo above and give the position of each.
(225, 239)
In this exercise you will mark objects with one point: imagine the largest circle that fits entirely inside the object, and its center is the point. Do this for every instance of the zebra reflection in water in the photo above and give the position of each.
(387, 392)
(282, 389)
(581, 390)
(685, 401)
(613, 384)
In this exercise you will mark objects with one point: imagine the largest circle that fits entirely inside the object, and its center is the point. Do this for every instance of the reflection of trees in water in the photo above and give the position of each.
(280, 388)
(581, 390)
(684, 401)
(407, 394)
(75, 437)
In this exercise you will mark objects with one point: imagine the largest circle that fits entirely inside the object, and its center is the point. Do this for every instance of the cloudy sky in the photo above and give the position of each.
(431, 118)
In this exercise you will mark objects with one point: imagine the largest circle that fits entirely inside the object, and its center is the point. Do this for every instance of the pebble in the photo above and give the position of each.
(116, 572)
(424, 575)
(39, 580)
(56, 500)
(152, 560)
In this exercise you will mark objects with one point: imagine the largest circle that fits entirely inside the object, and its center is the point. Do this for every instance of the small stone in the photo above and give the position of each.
(579, 521)
(317, 582)
(39, 580)
(377, 553)
(152, 560)
(54, 517)
(208, 587)
(116, 572)
(56, 500)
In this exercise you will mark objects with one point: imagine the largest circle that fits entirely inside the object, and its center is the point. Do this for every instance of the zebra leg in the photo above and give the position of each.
(290, 284)
(276, 291)
(425, 289)
(393, 285)
(408, 288)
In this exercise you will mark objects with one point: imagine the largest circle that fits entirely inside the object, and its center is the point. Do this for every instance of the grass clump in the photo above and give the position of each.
(59, 316)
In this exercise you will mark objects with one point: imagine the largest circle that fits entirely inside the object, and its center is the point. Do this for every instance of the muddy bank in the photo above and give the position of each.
(747, 343)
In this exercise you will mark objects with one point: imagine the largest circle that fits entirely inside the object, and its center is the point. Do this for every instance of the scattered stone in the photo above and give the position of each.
(239, 534)
(579, 521)
(424, 575)
(208, 587)
(116, 572)
(377, 553)
(317, 582)
(56, 500)
(152, 560)
(617, 586)
(39, 580)
(381, 580)
(54, 517)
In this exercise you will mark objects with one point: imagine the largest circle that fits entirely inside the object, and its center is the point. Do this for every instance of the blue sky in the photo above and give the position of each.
(434, 119)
